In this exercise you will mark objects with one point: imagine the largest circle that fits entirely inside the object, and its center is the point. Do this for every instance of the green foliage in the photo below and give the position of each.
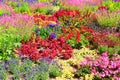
(8, 42)
(14, 67)
(117, 49)
(2, 12)
(113, 6)
(13, 4)
(55, 71)
(43, 10)
(82, 71)
(45, 32)
(78, 45)
(3, 73)
(72, 42)
(102, 49)
(24, 7)
(114, 38)
(26, 67)
(111, 50)
(96, 77)
(43, 73)
(84, 41)
(43, 0)
(41, 76)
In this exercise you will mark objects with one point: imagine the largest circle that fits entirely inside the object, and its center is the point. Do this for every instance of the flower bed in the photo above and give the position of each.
(59, 40)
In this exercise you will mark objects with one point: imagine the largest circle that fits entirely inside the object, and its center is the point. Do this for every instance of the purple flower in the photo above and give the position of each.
(1, 0)
(116, 0)
(52, 35)
(52, 25)
(68, 22)
(37, 30)
(46, 60)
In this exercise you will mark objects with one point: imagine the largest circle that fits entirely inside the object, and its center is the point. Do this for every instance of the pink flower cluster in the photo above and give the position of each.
(104, 66)
(4, 7)
(22, 23)
(16, 20)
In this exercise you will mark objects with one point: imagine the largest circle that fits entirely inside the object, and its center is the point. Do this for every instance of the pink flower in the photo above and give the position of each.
(104, 65)
(116, 78)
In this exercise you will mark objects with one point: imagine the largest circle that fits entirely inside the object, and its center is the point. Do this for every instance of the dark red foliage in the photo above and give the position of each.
(37, 48)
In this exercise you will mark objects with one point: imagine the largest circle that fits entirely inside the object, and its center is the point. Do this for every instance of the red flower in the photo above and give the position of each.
(38, 48)
(70, 35)
(70, 13)
(83, 29)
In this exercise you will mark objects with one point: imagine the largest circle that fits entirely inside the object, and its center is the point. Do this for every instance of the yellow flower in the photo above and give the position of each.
(52, 22)
(55, 8)
(89, 77)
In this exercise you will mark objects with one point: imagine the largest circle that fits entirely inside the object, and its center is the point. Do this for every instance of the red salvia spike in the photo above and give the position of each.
(78, 36)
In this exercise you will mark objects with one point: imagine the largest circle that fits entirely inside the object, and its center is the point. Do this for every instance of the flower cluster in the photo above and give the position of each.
(73, 17)
(40, 19)
(74, 32)
(23, 23)
(69, 13)
(84, 29)
(50, 48)
(104, 66)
